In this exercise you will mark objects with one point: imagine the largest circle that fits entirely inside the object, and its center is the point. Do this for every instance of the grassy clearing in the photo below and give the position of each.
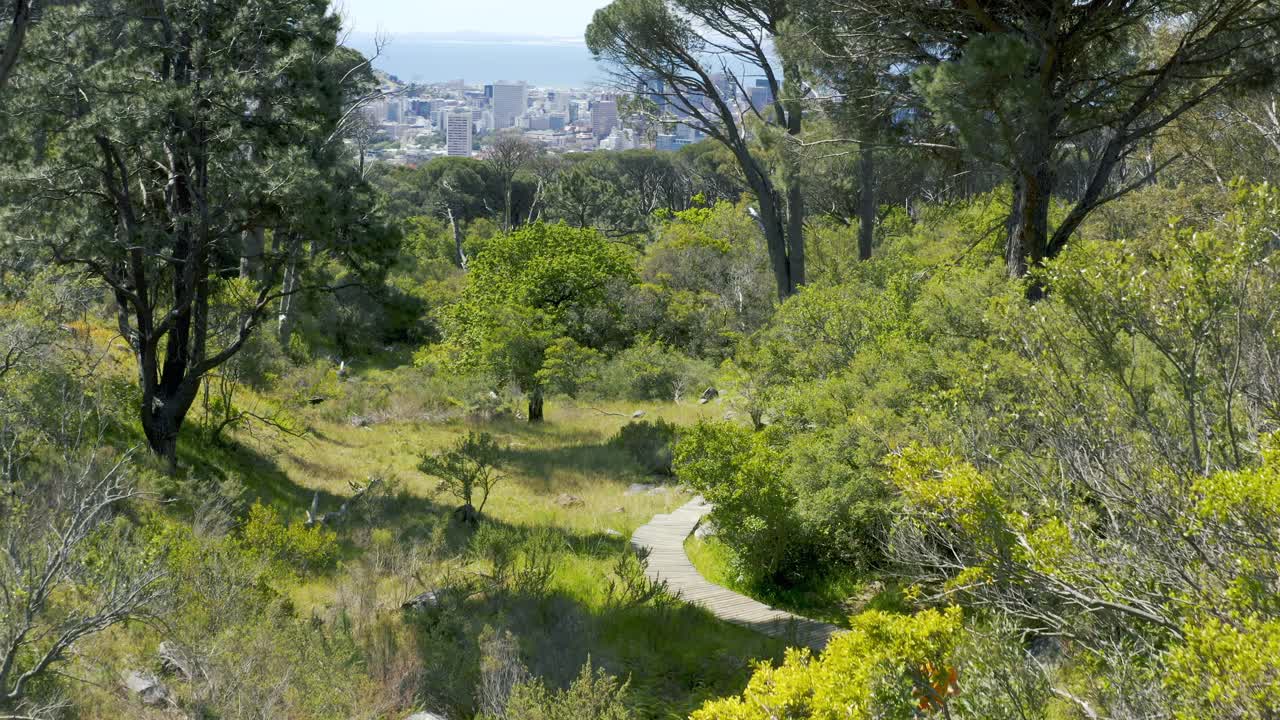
(832, 599)
(675, 655)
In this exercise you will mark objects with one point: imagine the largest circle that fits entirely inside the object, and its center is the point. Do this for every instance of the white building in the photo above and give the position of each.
(509, 103)
(458, 132)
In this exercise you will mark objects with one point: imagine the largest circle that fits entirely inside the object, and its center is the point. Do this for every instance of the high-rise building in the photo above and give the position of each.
(761, 95)
(604, 117)
(509, 102)
(458, 132)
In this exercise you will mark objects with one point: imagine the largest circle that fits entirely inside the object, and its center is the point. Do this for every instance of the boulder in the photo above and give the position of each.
(637, 414)
(612, 532)
(705, 530)
(428, 600)
(708, 395)
(424, 715)
(147, 688)
(619, 509)
(177, 660)
(565, 500)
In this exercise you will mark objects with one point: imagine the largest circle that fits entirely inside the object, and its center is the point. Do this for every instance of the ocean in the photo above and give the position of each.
(480, 59)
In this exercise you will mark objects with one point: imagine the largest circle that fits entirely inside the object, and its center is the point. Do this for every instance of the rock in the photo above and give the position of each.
(428, 600)
(619, 509)
(637, 414)
(360, 421)
(147, 687)
(565, 500)
(705, 530)
(708, 395)
(639, 488)
(424, 715)
(730, 415)
(611, 531)
(176, 659)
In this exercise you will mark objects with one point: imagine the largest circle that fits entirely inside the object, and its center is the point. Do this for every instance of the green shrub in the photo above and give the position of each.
(649, 443)
(652, 371)
(310, 548)
(741, 473)
(594, 695)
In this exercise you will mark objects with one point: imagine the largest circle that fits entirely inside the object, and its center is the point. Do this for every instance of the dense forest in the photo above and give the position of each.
(970, 337)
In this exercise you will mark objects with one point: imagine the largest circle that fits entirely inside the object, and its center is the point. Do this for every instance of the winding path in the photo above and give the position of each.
(664, 537)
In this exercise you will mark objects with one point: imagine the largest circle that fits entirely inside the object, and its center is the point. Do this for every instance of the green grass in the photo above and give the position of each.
(832, 598)
(676, 657)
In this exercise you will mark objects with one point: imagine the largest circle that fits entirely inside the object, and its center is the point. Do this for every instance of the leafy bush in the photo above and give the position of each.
(649, 443)
(741, 473)
(887, 666)
(294, 544)
(594, 695)
(520, 563)
(651, 370)
(568, 367)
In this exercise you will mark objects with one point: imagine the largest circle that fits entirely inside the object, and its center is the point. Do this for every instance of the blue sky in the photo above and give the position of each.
(561, 18)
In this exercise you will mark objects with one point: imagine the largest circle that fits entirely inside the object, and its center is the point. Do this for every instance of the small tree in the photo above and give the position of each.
(529, 288)
(468, 467)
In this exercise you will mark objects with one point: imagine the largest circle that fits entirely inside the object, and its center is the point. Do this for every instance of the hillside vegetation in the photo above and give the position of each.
(969, 332)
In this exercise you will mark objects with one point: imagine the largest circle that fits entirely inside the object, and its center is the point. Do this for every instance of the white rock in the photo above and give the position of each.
(147, 687)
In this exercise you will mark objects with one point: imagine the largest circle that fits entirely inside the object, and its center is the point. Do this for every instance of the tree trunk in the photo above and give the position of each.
(506, 208)
(20, 20)
(775, 237)
(795, 234)
(866, 200)
(289, 288)
(457, 238)
(163, 411)
(795, 193)
(253, 242)
(1029, 218)
(535, 405)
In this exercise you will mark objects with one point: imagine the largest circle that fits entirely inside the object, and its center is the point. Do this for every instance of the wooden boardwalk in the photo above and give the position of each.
(664, 537)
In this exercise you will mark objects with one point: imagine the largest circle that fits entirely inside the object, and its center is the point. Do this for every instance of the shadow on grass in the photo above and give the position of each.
(539, 468)
(676, 656)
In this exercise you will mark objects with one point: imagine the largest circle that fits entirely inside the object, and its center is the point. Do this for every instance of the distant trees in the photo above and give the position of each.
(618, 193)
(528, 288)
(191, 127)
(509, 153)
(678, 44)
(1026, 86)
(456, 190)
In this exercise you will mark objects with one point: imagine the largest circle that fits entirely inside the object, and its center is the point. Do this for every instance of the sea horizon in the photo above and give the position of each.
(479, 58)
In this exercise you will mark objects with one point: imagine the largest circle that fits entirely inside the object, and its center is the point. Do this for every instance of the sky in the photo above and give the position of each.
(558, 18)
